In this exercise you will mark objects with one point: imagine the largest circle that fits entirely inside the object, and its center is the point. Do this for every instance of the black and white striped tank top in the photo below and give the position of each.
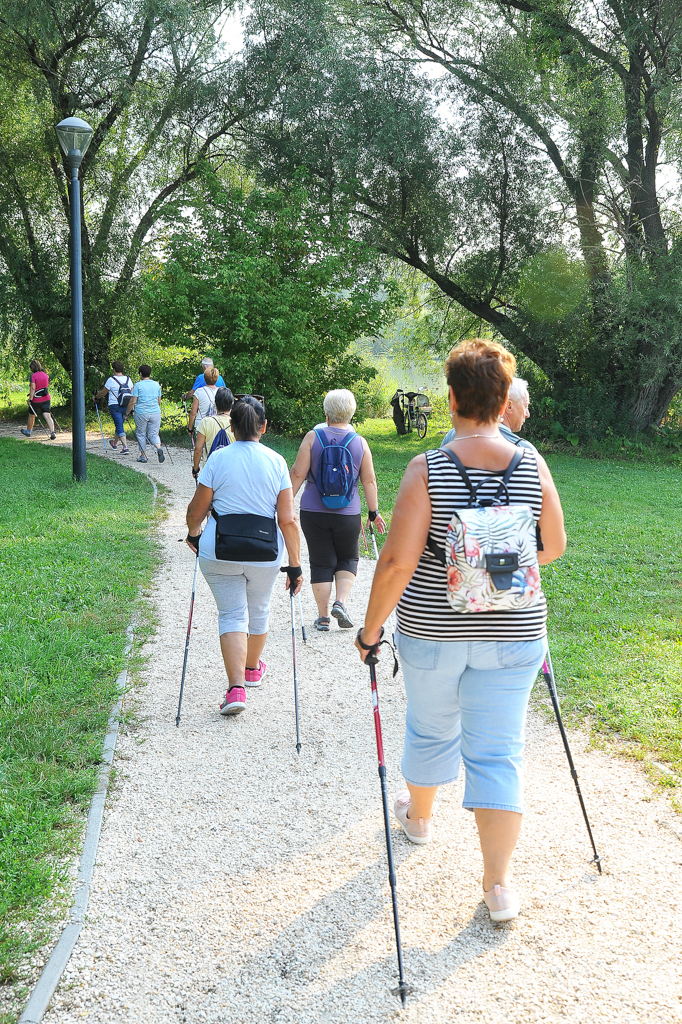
(423, 610)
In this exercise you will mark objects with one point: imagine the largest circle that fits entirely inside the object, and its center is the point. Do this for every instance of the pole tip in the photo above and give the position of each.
(402, 990)
(298, 748)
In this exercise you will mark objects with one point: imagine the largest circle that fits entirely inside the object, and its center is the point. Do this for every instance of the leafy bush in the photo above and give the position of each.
(261, 276)
(374, 395)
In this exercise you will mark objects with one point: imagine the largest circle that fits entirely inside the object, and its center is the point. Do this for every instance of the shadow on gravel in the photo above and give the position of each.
(301, 969)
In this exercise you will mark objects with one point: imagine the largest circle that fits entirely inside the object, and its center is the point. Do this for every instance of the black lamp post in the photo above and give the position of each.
(74, 137)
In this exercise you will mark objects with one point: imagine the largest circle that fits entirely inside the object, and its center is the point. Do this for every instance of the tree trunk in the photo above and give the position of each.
(652, 402)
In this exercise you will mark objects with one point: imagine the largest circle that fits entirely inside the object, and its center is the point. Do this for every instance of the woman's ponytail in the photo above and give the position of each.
(247, 418)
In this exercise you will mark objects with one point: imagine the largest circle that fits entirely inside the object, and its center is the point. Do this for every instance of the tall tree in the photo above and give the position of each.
(534, 124)
(163, 97)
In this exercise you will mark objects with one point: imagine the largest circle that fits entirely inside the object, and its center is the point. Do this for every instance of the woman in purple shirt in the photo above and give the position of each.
(332, 534)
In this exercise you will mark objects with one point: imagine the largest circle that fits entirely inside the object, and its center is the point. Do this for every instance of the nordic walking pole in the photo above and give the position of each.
(548, 673)
(374, 542)
(371, 660)
(166, 447)
(191, 437)
(189, 629)
(300, 615)
(42, 426)
(293, 645)
(100, 426)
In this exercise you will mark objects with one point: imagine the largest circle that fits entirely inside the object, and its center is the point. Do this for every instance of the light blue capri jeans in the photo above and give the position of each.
(467, 700)
(242, 594)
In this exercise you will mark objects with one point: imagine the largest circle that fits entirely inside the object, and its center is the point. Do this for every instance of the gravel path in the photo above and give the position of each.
(239, 882)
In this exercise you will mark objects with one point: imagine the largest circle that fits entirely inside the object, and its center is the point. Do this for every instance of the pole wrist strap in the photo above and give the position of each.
(369, 647)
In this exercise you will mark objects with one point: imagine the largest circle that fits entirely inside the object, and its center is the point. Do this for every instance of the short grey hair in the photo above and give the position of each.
(340, 405)
(206, 362)
(518, 390)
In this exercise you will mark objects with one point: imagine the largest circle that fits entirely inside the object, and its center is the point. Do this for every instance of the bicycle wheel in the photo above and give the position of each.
(408, 422)
(422, 424)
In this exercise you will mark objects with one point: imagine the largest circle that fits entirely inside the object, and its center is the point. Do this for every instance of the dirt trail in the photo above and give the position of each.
(239, 882)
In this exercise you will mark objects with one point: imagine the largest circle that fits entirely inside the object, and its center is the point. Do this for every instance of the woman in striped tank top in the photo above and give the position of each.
(468, 676)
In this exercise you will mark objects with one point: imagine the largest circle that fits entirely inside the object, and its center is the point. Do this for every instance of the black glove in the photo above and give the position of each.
(194, 541)
(372, 515)
(293, 572)
(195, 473)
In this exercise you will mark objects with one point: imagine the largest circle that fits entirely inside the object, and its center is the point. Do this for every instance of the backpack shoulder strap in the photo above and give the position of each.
(516, 458)
(439, 553)
(322, 440)
(461, 470)
(350, 437)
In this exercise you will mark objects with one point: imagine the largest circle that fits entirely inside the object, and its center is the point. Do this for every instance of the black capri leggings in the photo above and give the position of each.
(332, 542)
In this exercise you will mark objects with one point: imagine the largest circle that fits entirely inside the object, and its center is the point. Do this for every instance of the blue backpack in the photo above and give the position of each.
(335, 472)
(221, 440)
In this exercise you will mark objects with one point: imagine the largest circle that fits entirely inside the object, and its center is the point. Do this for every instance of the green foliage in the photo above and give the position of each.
(281, 292)
(74, 558)
(374, 395)
(552, 285)
(163, 98)
(521, 182)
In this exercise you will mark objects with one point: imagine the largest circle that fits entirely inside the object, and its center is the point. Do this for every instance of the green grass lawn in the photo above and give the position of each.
(615, 598)
(74, 559)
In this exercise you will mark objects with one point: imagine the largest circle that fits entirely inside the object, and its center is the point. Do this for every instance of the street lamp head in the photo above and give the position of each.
(74, 137)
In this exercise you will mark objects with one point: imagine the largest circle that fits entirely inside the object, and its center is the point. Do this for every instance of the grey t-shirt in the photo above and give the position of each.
(504, 430)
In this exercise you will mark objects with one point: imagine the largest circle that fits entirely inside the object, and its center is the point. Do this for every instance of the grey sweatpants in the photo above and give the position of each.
(242, 594)
(147, 425)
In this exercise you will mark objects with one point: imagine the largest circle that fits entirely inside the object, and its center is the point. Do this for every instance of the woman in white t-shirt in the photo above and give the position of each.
(249, 487)
(118, 386)
(203, 403)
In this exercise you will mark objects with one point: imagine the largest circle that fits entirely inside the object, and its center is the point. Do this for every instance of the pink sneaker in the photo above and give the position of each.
(235, 701)
(253, 676)
(503, 904)
(418, 831)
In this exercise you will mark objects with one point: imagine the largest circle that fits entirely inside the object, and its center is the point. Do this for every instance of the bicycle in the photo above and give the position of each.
(411, 409)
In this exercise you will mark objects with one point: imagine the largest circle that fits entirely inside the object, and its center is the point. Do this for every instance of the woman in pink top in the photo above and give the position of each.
(39, 399)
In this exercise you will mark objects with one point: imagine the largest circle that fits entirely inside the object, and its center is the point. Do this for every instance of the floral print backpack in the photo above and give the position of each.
(491, 550)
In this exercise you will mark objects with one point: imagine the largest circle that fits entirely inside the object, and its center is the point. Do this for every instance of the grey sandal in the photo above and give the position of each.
(341, 615)
(322, 623)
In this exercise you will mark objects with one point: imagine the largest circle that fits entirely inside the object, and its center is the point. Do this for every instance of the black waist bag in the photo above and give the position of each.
(243, 537)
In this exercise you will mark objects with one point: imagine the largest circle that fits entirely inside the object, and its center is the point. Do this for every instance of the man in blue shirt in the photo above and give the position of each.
(515, 414)
(200, 382)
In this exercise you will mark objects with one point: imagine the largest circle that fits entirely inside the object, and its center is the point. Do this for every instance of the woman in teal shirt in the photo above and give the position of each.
(145, 405)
